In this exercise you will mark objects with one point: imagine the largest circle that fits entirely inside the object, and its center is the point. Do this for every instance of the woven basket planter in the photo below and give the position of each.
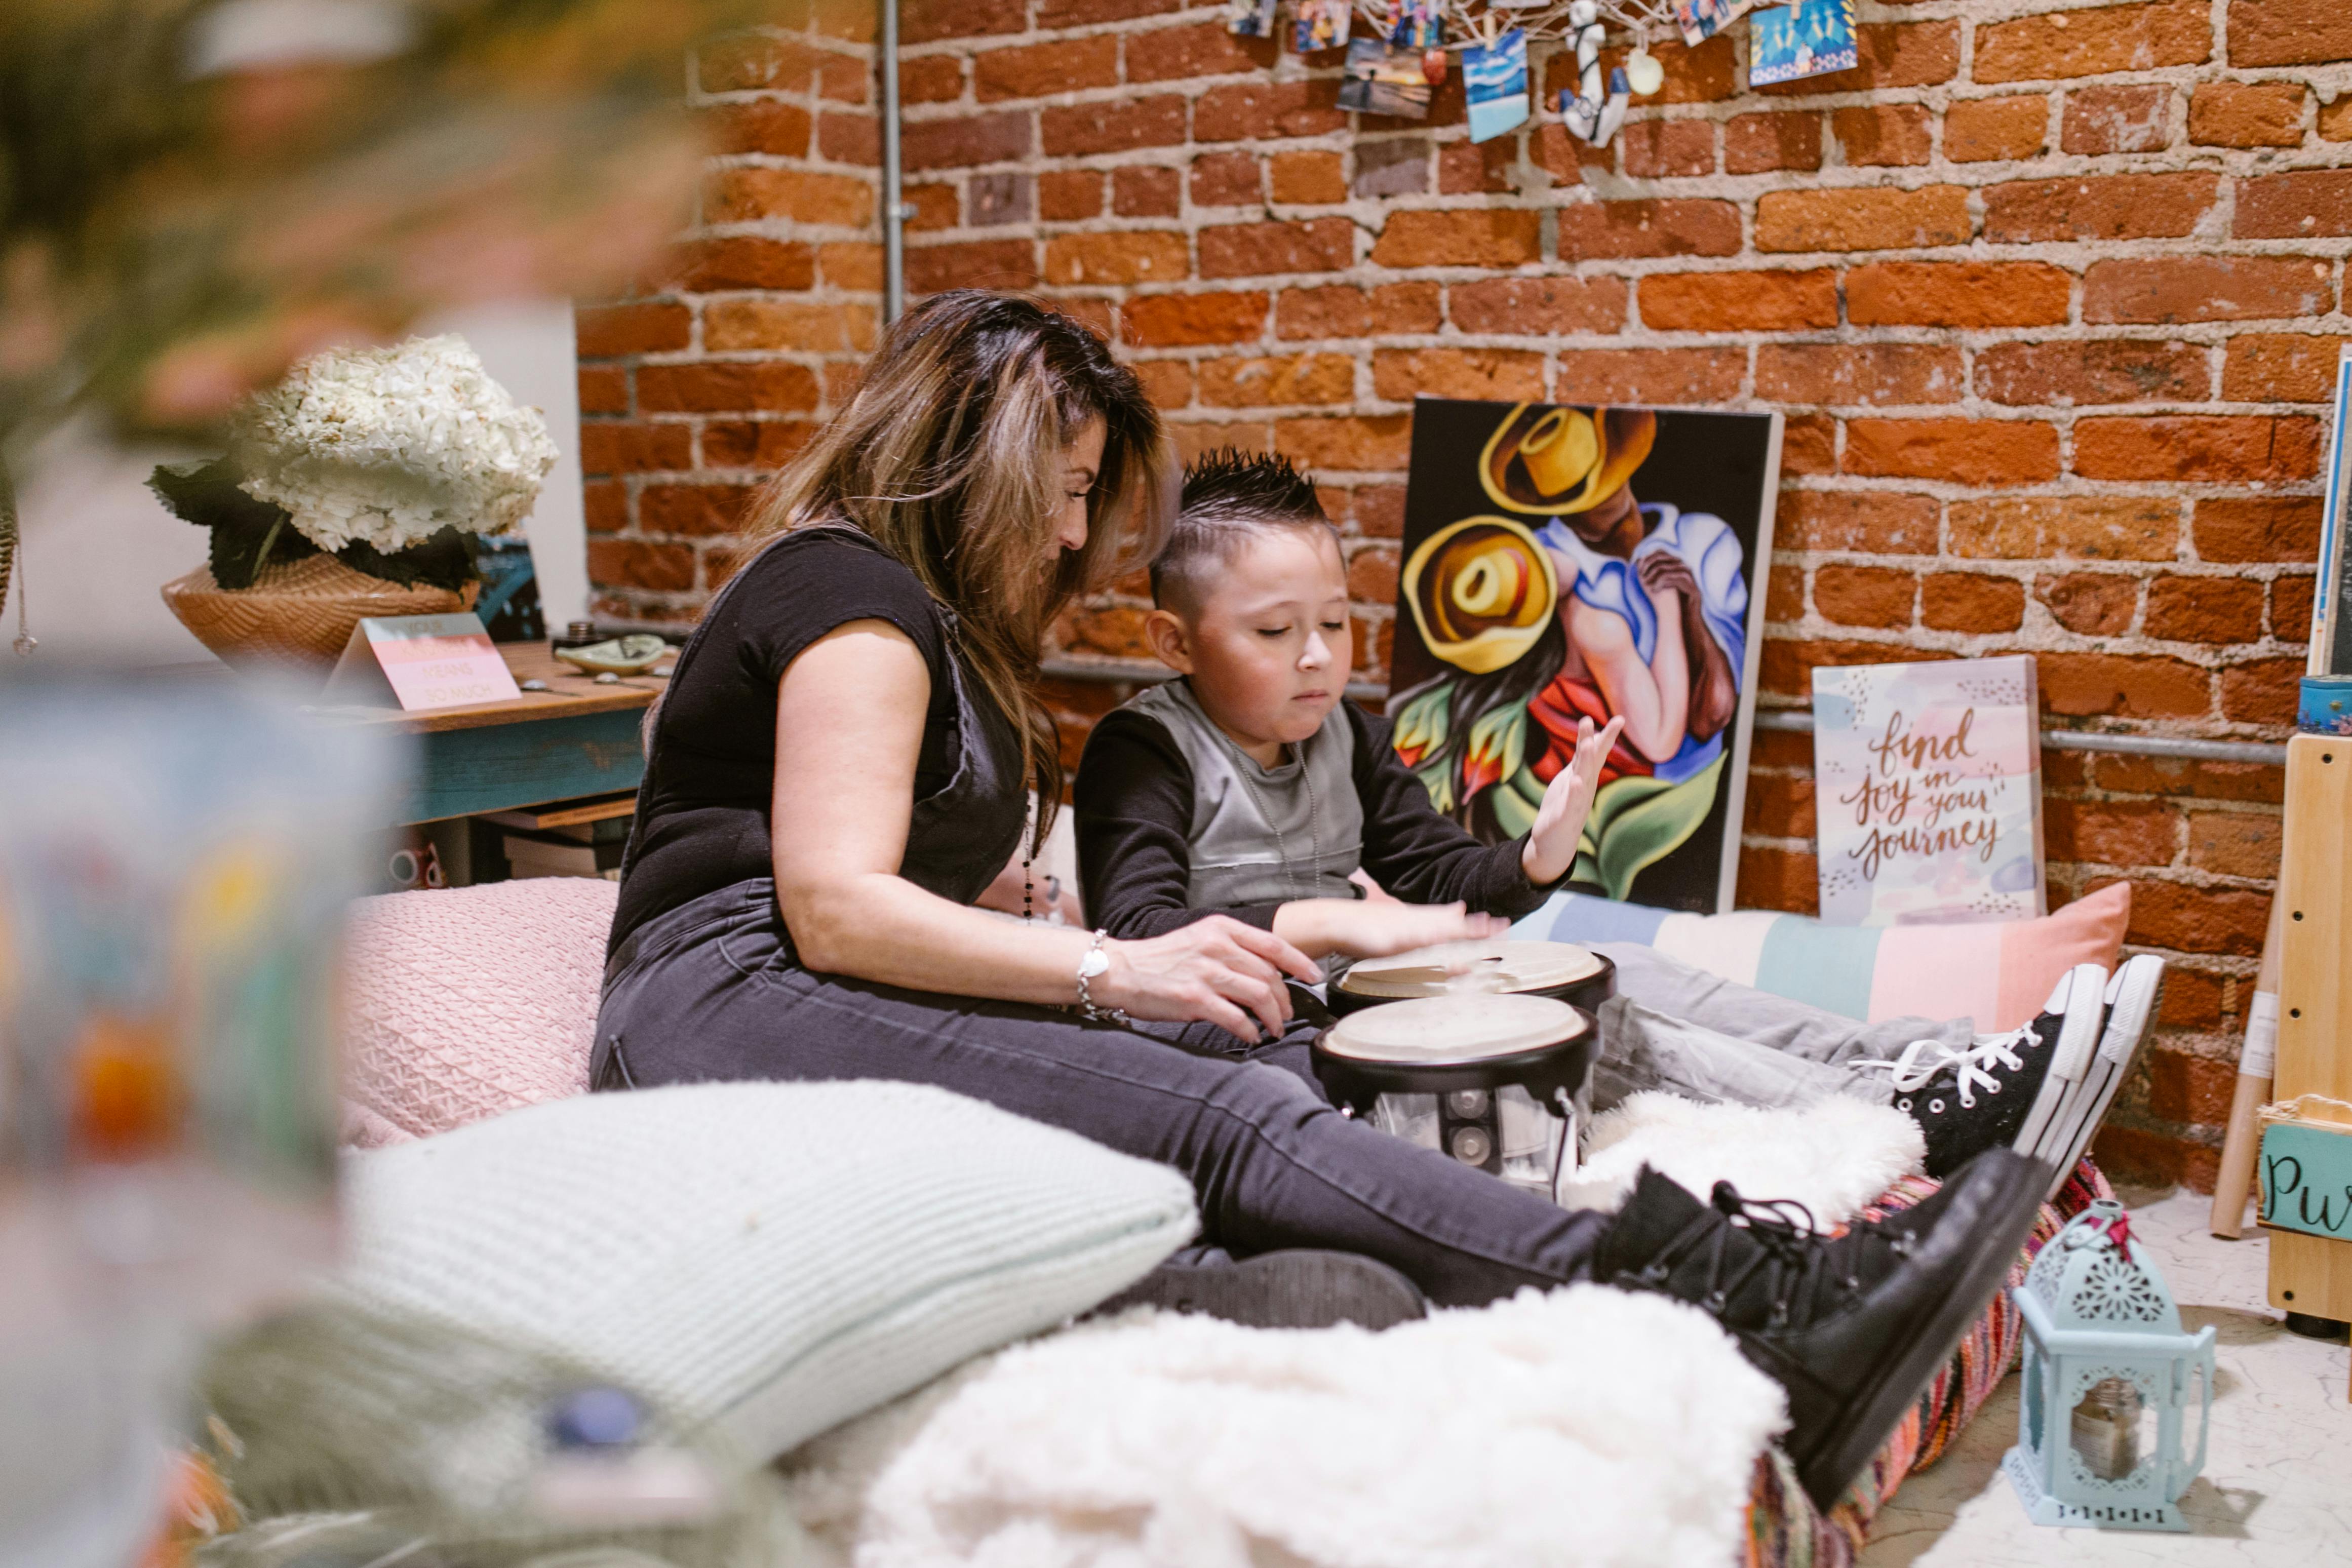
(299, 613)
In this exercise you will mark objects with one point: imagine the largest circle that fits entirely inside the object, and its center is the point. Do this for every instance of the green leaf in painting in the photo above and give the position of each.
(1438, 780)
(1642, 832)
(1515, 802)
(1618, 796)
(1422, 724)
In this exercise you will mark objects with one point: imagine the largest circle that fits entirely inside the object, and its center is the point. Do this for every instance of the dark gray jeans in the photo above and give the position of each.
(1674, 1027)
(711, 991)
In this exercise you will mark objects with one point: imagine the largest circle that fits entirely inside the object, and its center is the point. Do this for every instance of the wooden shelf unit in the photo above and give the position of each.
(2311, 1274)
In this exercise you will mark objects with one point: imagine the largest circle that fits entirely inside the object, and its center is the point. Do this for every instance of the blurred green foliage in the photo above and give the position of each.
(171, 239)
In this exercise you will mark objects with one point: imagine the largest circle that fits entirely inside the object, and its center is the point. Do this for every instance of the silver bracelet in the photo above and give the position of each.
(1095, 962)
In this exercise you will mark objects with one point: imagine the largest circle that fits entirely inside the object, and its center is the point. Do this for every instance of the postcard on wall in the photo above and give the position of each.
(1808, 38)
(1495, 80)
(1250, 18)
(1566, 561)
(1928, 790)
(1321, 25)
(1416, 24)
(1382, 79)
(1703, 19)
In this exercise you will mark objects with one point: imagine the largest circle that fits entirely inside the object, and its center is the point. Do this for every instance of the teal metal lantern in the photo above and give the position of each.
(2108, 1377)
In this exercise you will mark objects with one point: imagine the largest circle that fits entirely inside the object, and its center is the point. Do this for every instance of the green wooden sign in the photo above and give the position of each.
(2306, 1175)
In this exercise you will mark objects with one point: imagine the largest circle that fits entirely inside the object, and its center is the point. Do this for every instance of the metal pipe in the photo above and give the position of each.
(2185, 749)
(2175, 747)
(1132, 672)
(894, 207)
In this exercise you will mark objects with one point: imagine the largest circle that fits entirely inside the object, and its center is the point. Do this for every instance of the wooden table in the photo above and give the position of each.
(576, 738)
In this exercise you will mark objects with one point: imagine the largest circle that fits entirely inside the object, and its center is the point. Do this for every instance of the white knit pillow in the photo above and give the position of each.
(770, 1257)
(469, 1002)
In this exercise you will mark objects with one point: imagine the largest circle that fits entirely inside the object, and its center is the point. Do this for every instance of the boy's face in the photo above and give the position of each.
(1269, 648)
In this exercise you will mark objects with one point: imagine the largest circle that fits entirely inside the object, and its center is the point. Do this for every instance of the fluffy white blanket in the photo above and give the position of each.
(1833, 1156)
(1582, 1427)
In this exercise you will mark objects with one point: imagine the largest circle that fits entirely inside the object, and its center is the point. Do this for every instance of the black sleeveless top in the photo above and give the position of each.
(702, 822)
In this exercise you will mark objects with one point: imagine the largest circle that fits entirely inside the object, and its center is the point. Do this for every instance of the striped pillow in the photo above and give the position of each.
(1997, 973)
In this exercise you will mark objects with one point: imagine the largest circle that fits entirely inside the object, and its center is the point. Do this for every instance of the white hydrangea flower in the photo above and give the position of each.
(392, 445)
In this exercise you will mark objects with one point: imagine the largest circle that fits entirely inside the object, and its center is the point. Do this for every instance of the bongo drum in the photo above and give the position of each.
(1490, 1080)
(1560, 970)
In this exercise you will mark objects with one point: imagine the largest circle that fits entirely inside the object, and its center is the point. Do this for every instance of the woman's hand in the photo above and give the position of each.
(1213, 971)
(1551, 843)
(1368, 928)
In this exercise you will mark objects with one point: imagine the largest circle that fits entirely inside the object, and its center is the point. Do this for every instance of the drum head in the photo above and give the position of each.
(1454, 1031)
(1473, 968)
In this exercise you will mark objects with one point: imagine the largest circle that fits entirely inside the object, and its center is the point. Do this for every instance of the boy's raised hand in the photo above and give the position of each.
(1559, 823)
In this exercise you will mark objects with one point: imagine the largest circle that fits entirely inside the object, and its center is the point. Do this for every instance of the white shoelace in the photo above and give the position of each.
(1922, 1059)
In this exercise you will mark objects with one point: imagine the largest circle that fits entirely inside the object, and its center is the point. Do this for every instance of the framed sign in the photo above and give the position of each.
(1573, 561)
(1928, 781)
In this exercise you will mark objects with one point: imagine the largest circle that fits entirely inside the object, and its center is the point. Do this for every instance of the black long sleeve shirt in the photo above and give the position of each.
(1134, 799)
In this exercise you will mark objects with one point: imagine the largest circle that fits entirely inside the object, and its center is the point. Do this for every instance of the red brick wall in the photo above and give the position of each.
(2050, 299)
(718, 372)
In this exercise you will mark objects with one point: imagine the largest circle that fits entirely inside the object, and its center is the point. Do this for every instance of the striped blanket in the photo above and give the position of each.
(1784, 1528)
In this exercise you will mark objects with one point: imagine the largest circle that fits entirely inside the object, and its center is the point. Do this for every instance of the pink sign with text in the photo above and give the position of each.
(426, 661)
(1928, 781)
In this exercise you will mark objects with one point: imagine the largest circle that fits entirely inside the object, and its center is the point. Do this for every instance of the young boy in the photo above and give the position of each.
(1248, 788)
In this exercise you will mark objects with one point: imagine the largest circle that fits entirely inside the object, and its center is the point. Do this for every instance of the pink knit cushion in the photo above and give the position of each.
(467, 1002)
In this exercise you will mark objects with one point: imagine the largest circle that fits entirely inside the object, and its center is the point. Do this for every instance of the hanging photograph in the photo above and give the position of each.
(1703, 19)
(1250, 18)
(1382, 79)
(1494, 78)
(1416, 24)
(1321, 25)
(1809, 38)
(1565, 562)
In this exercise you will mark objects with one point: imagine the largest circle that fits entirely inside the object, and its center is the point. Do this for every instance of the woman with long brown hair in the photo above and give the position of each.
(842, 763)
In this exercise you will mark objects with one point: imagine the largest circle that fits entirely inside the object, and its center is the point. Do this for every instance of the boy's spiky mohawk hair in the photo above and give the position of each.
(1228, 496)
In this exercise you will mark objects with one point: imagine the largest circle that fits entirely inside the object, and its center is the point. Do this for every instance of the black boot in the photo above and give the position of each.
(1854, 1328)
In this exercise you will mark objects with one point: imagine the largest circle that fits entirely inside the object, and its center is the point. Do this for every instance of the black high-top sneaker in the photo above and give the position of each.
(1852, 1328)
(2001, 1090)
(2132, 995)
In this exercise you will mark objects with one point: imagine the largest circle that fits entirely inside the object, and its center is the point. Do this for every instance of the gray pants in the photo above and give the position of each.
(712, 990)
(1674, 1027)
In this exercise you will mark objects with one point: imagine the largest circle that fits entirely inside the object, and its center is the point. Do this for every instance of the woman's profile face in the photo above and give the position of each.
(1081, 465)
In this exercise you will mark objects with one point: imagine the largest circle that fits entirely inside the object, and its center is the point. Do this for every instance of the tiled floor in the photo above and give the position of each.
(2275, 1489)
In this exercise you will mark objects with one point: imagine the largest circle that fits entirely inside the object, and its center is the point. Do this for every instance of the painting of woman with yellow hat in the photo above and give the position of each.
(1566, 561)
